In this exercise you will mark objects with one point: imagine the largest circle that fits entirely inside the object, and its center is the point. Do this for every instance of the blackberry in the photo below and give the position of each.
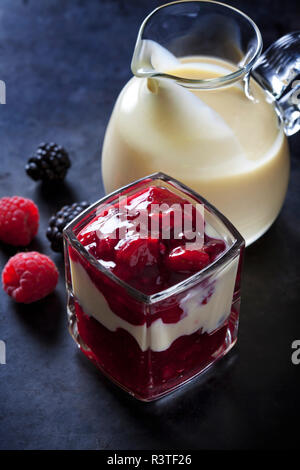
(58, 222)
(50, 162)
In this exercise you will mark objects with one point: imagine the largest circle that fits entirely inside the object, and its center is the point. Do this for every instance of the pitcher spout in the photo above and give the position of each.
(189, 28)
(150, 59)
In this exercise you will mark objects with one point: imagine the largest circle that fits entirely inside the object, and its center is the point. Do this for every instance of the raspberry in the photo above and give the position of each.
(214, 247)
(180, 259)
(138, 252)
(165, 221)
(88, 238)
(28, 277)
(105, 248)
(158, 195)
(19, 220)
(100, 248)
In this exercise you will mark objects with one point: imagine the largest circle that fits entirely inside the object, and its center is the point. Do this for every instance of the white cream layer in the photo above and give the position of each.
(159, 336)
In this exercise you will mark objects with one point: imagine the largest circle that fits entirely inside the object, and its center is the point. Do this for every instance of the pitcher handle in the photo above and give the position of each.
(276, 71)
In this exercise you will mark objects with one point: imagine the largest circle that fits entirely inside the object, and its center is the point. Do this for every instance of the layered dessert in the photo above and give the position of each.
(153, 281)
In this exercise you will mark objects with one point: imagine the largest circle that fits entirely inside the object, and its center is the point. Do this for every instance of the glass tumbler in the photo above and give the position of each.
(150, 345)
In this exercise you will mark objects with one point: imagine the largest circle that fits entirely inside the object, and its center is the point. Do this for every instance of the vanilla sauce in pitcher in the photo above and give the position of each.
(229, 147)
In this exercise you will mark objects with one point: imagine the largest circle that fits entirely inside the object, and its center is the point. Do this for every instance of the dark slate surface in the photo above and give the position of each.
(64, 63)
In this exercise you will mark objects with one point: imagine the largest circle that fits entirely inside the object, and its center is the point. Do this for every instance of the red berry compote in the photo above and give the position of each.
(153, 279)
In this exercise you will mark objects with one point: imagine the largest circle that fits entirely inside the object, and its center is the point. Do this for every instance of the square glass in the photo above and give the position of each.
(150, 345)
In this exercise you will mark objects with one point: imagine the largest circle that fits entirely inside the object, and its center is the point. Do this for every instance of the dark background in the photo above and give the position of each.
(64, 63)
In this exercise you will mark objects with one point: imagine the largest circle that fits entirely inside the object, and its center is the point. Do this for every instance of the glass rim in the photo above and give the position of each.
(177, 288)
(208, 83)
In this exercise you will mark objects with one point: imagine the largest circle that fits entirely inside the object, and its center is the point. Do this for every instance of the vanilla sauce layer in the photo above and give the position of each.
(159, 336)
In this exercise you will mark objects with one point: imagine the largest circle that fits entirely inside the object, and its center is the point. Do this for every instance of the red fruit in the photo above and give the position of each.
(100, 248)
(28, 277)
(157, 195)
(164, 222)
(105, 248)
(19, 220)
(87, 238)
(138, 252)
(182, 260)
(214, 247)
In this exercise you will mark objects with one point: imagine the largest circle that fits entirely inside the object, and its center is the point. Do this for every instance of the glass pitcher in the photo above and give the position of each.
(206, 109)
